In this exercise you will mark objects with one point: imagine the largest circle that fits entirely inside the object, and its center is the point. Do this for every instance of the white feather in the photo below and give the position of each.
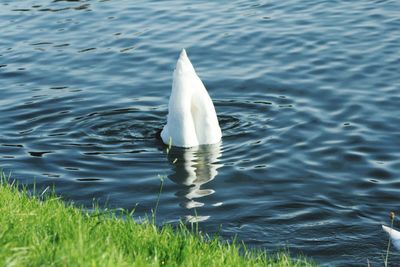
(394, 235)
(192, 120)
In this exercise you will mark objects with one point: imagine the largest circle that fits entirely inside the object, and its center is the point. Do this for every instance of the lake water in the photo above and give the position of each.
(307, 94)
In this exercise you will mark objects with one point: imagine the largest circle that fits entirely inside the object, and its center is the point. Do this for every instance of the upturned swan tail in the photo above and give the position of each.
(192, 120)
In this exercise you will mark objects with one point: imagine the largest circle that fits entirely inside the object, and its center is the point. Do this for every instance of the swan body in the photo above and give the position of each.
(394, 235)
(192, 120)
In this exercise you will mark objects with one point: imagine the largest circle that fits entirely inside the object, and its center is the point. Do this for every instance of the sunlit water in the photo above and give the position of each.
(307, 93)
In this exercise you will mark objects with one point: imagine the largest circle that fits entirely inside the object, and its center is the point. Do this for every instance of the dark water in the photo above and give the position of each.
(307, 92)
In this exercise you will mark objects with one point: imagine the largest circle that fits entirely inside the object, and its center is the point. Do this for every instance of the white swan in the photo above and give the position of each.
(192, 120)
(394, 235)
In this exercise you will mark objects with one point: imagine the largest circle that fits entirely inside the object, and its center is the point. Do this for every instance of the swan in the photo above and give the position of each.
(394, 235)
(191, 120)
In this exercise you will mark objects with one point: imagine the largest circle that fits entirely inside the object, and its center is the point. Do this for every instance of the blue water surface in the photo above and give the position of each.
(307, 94)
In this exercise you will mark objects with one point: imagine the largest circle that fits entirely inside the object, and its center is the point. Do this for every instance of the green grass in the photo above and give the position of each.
(45, 231)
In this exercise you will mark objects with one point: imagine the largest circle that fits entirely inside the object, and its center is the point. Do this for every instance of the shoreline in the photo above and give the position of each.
(43, 230)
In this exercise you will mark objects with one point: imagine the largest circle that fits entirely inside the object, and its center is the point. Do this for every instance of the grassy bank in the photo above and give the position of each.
(49, 232)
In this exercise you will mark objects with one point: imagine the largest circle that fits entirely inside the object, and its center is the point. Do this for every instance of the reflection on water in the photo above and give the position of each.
(193, 168)
(310, 121)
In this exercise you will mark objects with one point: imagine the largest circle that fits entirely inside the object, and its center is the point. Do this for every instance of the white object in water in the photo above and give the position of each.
(192, 120)
(394, 235)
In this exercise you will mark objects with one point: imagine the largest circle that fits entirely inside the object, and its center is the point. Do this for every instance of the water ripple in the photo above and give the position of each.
(307, 95)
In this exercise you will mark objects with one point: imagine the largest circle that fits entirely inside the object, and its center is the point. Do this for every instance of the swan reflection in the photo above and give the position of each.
(194, 168)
